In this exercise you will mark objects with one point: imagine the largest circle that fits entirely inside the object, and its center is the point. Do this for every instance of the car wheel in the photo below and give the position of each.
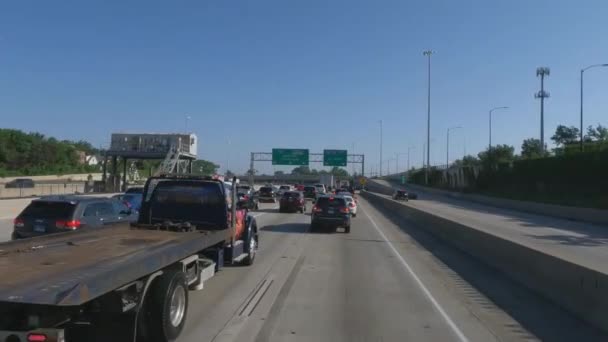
(251, 250)
(166, 308)
(354, 214)
(347, 229)
(257, 207)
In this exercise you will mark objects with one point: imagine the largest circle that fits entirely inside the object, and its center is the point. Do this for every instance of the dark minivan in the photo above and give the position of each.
(20, 183)
(56, 214)
(330, 211)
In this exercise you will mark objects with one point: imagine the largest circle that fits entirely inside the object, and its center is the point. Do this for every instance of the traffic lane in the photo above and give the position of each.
(353, 287)
(212, 309)
(6, 229)
(467, 287)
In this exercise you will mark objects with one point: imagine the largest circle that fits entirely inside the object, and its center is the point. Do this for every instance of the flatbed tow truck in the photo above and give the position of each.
(128, 282)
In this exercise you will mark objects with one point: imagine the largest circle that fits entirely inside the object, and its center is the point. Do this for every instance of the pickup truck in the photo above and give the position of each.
(129, 282)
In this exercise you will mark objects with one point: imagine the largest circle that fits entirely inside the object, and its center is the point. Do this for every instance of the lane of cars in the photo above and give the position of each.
(331, 208)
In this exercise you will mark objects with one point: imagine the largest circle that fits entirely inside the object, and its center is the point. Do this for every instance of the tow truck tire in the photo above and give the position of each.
(251, 248)
(168, 307)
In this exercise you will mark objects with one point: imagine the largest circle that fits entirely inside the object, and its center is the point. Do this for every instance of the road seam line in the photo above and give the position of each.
(424, 289)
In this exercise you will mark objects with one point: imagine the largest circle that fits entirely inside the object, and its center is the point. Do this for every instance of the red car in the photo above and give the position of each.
(299, 187)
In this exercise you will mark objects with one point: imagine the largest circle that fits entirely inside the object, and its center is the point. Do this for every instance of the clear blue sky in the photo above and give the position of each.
(306, 74)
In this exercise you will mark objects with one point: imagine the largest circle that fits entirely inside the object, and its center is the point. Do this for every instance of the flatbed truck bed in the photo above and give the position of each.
(72, 269)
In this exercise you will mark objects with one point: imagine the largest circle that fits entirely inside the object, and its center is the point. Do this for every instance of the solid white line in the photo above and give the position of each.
(424, 289)
(6, 217)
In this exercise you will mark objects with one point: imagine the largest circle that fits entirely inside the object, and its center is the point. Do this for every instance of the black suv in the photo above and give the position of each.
(55, 214)
(400, 194)
(310, 192)
(267, 194)
(330, 211)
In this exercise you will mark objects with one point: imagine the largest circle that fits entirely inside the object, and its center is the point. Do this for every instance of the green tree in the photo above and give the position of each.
(301, 170)
(565, 135)
(531, 148)
(599, 133)
(204, 167)
(339, 172)
(498, 154)
(279, 173)
(467, 161)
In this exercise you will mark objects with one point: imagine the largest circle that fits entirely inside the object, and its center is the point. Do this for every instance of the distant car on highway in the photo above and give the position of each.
(331, 211)
(310, 192)
(283, 189)
(400, 194)
(292, 201)
(299, 187)
(321, 188)
(267, 194)
(20, 183)
(56, 214)
(352, 204)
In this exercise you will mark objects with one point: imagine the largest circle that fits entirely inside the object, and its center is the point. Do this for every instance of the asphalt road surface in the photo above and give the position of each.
(378, 283)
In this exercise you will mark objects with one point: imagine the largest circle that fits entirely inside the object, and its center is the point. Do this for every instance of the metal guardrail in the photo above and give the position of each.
(42, 190)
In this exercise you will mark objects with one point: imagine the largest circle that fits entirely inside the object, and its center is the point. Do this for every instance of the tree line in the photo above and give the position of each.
(35, 154)
(566, 139)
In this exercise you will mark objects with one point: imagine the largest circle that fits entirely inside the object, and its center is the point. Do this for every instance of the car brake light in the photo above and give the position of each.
(246, 198)
(316, 209)
(352, 204)
(72, 224)
(34, 337)
(18, 222)
(344, 210)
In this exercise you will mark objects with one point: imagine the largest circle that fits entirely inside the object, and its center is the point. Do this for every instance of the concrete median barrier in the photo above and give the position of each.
(578, 289)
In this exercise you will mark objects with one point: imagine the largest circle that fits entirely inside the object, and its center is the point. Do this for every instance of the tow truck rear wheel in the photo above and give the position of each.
(165, 308)
(251, 248)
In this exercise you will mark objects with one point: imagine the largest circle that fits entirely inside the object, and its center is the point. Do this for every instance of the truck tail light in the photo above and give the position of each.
(344, 210)
(72, 224)
(18, 222)
(316, 209)
(351, 204)
(36, 337)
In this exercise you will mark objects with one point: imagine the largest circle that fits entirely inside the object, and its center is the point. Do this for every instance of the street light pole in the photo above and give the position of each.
(428, 53)
(490, 144)
(408, 157)
(380, 121)
(447, 151)
(582, 72)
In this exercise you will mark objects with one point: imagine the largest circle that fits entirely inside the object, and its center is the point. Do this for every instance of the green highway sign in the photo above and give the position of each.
(289, 156)
(334, 157)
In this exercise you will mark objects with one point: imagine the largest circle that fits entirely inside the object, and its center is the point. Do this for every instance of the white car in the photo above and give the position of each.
(352, 205)
(283, 189)
(320, 188)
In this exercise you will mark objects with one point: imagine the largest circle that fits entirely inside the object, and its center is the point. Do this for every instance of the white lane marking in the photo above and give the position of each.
(259, 214)
(6, 217)
(424, 289)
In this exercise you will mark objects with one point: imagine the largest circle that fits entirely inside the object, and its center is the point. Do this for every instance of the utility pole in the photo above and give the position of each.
(428, 53)
(542, 94)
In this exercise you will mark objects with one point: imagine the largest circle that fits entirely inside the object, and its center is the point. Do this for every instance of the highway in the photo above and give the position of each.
(583, 243)
(377, 283)
(385, 281)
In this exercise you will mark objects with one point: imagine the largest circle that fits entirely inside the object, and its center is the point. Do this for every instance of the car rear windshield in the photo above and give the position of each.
(193, 201)
(326, 202)
(401, 192)
(310, 188)
(284, 187)
(48, 210)
(292, 194)
(243, 187)
(265, 189)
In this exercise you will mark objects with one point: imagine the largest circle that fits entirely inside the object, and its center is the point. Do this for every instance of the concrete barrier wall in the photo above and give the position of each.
(79, 177)
(42, 190)
(580, 290)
